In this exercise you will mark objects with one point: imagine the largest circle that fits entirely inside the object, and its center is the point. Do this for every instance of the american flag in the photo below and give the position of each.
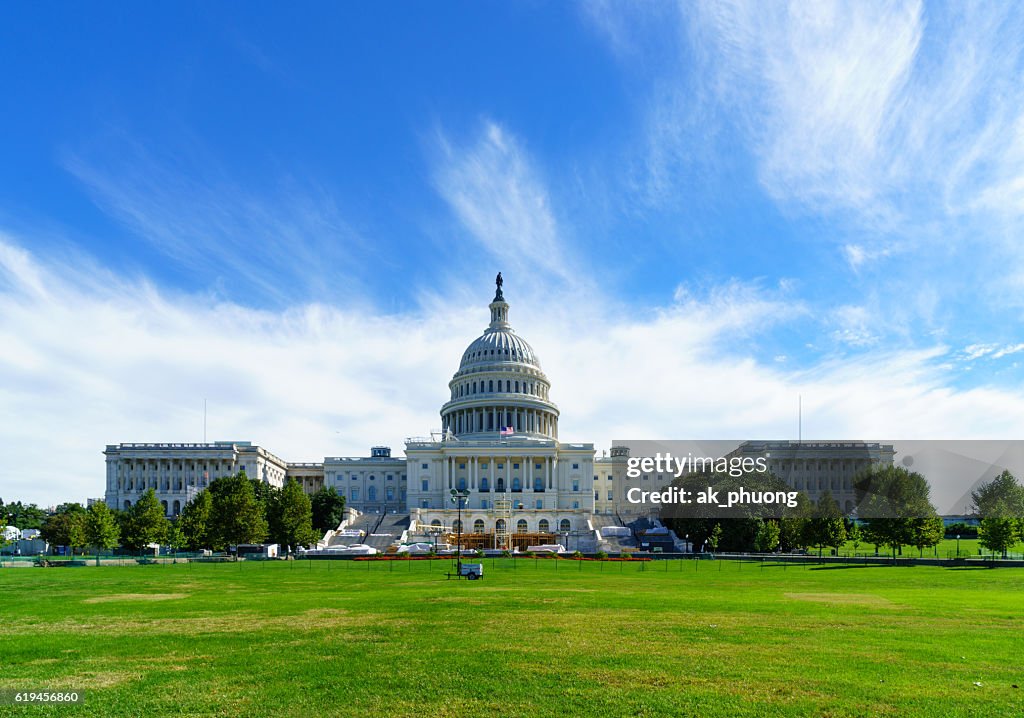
(508, 431)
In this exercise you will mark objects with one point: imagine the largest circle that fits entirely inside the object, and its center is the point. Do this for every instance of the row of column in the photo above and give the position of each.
(475, 421)
(142, 477)
(549, 469)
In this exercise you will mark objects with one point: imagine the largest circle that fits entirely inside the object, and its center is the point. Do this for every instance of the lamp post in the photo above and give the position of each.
(958, 545)
(459, 497)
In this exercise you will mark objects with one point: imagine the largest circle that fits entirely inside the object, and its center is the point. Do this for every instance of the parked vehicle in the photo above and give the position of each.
(472, 571)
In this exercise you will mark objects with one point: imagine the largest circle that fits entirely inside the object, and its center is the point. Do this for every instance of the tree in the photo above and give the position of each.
(175, 536)
(999, 528)
(767, 536)
(328, 509)
(854, 535)
(926, 531)
(293, 517)
(194, 522)
(715, 536)
(888, 499)
(66, 527)
(998, 533)
(827, 526)
(101, 529)
(144, 523)
(236, 517)
(22, 516)
(1003, 496)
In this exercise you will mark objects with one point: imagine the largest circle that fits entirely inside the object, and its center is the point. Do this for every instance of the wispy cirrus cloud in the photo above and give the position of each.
(290, 242)
(500, 198)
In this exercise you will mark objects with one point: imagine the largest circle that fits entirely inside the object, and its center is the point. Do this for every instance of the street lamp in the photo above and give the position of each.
(958, 545)
(459, 497)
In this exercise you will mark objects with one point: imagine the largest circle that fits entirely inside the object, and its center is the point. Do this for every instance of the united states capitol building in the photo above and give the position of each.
(498, 443)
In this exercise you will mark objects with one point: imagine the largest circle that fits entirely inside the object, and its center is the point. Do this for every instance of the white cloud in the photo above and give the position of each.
(499, 197)
(83, 364)
(287, 244)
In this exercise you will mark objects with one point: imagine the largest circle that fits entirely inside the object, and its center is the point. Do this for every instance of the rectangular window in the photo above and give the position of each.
(515, 466)
(575, 504)
(355, 494)
(575, 484)
(610, 497)
(575, 466)
(462, 466)
(423, 466)
(424, 504)
(391, 493)
(483, 465)
(540, 503)
(425, 485)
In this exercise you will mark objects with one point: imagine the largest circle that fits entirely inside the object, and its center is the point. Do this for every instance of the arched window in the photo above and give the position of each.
(508, 386)
(538, 484)
(127, 504)
(501, 484)
(499, 525)
(490, 386)
(515, 484)
(371, 493)
(164, 504)
(484, 486)
(462, 484)
(457, 526)
(177, 508)
(436, 523)
(564, 525)
(543, 526)
(517, 386)
(478, 526)
(521, 526)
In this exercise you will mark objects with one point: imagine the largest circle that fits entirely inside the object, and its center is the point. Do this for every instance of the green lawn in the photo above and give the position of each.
(700, 638)
(946, 548)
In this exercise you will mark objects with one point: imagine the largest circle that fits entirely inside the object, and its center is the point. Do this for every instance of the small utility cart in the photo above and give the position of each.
(472, 571)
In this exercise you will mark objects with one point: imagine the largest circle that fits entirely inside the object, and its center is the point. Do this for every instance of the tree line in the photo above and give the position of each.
(232, 510)
(893, 503)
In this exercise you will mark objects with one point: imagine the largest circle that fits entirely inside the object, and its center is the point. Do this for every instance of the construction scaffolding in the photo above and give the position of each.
(502, 513)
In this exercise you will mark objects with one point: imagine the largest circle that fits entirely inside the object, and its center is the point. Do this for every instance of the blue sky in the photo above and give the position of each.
(701, 211)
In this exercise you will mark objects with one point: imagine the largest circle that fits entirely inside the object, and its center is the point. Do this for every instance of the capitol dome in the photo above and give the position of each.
(500, 385)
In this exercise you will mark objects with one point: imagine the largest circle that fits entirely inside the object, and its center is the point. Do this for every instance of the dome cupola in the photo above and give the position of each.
(500, 384)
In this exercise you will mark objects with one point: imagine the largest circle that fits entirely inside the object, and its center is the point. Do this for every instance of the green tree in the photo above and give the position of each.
(925, 532)
(889, 499)
(854, 535)
(194, 522)
(998, 533)
(101, 527)
(236, 516)
(715, 536)
(328, 509)
(66, 527)
(144, 523)
(175, 536)
(293, 517)
(767, 536)
(1001, 497)
(827, 526)
(22, 516)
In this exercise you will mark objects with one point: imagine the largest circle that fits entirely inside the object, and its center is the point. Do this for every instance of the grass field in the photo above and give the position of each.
(946, 548)
(664, 638)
